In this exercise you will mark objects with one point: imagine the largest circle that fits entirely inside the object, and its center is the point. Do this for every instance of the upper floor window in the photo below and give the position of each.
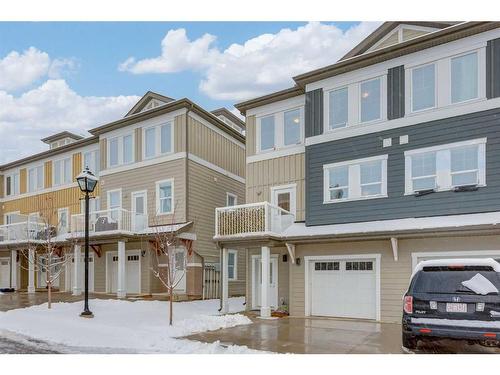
(370, 100)
(35, 178)
(464, 78)
(63, 220)
(231, 199)
(91, 159)
(232, 265)
(423, 87)
(12, 184)
(158, 140)
(280, 130)
(338, 107)
(446, 167)
(120, 150)
(62, 172)
(114, 204)
(355, 179)
(165, 197)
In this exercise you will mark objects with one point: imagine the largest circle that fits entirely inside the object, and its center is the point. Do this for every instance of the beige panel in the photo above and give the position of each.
(393, 39)
(250, 135)
(2, 185)
(103, 153)
(145, 178)
(48, 174)
(180, 133)
(238, 287)
(77, 164)
(410, 34)
(138, 144)
(263, 175)
(23, 181)
(207, 190)
(215, 148)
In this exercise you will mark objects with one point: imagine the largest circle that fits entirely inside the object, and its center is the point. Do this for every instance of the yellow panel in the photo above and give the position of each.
(23, 186)
(1, 186)
(48, 174)
(103, 154)
(77, 164)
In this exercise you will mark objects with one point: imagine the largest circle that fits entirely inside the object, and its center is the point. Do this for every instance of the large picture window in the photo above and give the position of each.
(62, 172)
(423, 87)
(158, 140)
(370, 100)
(120, 150)
(338, 108)
(280, 130)
(464, 78)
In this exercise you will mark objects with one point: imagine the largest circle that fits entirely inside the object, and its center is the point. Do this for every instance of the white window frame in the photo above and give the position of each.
(443, 164)
(235, 266)
(157, 198)
(119, 138)
(157, 131)
(436, 84)
(279, 130)
(36, 169)
(62, 171)
(8, 215)
(290, 188)
(228, 195)
(478, 61)
(381, 101)
(354, 185)
(14, 189)
(94, 161)
(108, 201)
(327, 93)
(59, 212)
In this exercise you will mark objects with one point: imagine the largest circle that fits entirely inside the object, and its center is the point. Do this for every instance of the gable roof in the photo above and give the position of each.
(146, 98)
(384, 29)
(229, 115)
(61, 135)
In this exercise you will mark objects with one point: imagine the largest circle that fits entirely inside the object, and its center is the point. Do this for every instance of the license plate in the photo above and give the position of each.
(456, 307)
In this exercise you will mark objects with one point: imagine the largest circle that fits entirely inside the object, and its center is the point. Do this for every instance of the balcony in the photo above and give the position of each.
(109, 221)
(251, 219)
(23, 229)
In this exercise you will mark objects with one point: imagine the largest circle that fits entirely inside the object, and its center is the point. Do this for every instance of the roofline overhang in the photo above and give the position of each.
(290, 92)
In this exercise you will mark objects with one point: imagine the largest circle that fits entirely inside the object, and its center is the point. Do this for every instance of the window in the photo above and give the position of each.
(35, 179)
(63, 220)
(338, 108)
(91, 159)
(326, 266)
(356, 179)
(284, 196)
(423, 87)
(231, 199)
(267, 131)
(12, 184)
(292, 127)
(158, 140)
(164, 197)
(121, 150)
(446, 167)
(370, 100)
(232, 265)
(62, 172)
(114, 204)
(359, 266)
(464, 78)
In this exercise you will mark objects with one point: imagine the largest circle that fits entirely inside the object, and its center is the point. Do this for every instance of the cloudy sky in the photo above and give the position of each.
(75, 76)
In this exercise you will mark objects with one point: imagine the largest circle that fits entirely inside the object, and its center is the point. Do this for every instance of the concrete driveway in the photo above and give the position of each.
(328, 336)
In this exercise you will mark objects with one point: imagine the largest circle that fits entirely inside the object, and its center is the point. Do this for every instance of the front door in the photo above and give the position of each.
(284, 197)
(139, 210)
(257, 282)
(42, 269)
(4, 272)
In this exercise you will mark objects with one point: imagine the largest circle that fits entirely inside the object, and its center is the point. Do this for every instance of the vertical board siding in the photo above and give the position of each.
(263, 175)
(180, 133)
(23, 180)
(396, 92)
(397, 205)
(251, 135)
(2, 186)
(138, 144)
(103, 155)
(493, 68)
(314, 113)
(77, 165)
(48, 174)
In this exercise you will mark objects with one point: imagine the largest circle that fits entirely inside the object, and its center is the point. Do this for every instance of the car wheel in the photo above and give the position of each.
(409, 342)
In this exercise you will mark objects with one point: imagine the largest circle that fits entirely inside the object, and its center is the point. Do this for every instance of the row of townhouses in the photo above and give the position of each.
(321, 203)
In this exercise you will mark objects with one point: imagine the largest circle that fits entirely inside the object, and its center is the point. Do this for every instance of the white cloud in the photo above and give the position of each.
(19, 70)
(260, 65)
(50, 108)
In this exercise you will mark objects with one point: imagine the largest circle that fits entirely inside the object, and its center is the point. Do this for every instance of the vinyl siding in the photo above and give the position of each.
(396, 92)
(2, 186)
(180, 133)
(411, 33)
(138, 144)
(263, 175)
(393, 39)
(250, 134)
(493, 68)
(23, 181)
(314, 113)
(48, 174)
(77, 165)
(103, 154)
(238, 287)
(397, 205)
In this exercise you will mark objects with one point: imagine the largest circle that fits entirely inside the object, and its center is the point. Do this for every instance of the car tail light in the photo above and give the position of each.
(433, 305)
(490, 335)
(425, 330)
(408, 305)
(480, 306)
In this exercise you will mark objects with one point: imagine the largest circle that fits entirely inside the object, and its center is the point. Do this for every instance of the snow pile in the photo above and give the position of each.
(141, 326)
(456, 323)
(480, 285)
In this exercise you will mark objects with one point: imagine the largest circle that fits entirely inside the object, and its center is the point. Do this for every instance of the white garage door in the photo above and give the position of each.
(343, 288)
(133, 272)
(81, 275)
(4, 273)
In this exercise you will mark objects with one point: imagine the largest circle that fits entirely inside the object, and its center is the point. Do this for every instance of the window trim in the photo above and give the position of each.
(382, 94)
(94, 160)
(355, 163)
(62, 171)
(478, 65)
(14, 192)
(120, 161)
(68, 218)
(108, 200)
(445, 175)
(327, 93)
(36, 167)
(235, 266)
(157, 197)
(292, 189)
(157, 132)
(228, 194)
(436, 84)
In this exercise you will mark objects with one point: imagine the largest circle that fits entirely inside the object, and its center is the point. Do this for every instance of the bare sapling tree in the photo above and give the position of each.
(49, 258)
(168, 259)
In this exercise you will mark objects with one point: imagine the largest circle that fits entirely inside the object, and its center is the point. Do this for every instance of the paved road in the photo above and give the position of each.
(9, 346)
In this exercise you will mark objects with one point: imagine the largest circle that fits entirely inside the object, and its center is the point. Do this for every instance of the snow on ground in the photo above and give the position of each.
(140, 326)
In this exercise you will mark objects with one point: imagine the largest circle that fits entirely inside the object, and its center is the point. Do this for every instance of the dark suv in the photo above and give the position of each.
(438, 305)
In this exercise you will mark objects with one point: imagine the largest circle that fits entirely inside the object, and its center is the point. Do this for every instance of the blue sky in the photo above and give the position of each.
(74, 76)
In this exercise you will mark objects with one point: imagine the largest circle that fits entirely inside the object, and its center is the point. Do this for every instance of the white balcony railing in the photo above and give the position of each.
(112, 220)
(23, 229)
(251, 218)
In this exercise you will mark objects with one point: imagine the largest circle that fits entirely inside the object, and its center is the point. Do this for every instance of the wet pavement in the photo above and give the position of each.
(9, 346)
(328, 336)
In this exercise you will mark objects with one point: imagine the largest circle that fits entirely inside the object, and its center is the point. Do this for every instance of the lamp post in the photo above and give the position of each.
(87, 182)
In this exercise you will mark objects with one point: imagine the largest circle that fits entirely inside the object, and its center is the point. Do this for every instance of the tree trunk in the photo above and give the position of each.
(171, 305)
(49, 294)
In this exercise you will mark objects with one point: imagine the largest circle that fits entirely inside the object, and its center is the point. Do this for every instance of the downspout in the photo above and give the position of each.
(186, 179)
(220, 277)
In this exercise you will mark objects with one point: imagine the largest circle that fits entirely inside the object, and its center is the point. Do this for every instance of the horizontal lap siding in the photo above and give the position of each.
(461, 128)
(237, 287)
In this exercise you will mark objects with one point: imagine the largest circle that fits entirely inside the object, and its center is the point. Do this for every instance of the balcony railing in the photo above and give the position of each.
(110, 221)
(254, 218)
(23, 229)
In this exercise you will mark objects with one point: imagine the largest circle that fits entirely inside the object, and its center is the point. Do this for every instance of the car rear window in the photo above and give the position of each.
(449, 281)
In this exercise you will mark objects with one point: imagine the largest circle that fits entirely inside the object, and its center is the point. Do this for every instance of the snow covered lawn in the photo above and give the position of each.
(140, 326)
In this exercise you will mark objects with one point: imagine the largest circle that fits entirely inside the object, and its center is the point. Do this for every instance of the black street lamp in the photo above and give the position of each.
(87, 183)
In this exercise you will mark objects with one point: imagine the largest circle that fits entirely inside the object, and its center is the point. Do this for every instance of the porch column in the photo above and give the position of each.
(13, 269)
(121, 291)
(77, 260)
(265, 309)
(31, 271)
(225, 282)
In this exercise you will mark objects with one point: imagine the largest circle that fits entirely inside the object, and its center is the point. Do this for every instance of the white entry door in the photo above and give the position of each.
(81, 273)
(257, 282)
(139, 210)
(4, 272)
(42, 272)
(132, 271)
(344, 288)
